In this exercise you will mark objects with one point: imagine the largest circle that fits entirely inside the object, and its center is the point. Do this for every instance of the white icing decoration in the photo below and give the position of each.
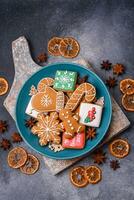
(58, 72)
(46, 100)
(71, 73)
(78, 129)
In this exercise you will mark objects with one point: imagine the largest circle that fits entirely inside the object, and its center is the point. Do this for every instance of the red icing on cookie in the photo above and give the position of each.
(77, 142)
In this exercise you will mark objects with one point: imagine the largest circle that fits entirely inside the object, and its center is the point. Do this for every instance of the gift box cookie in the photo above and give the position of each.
(30, 110)
(90, 114)
(65, 80)
(77, 142)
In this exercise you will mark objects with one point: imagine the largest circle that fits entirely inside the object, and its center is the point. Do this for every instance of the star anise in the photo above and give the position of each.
(99, 157)
(42, 58)
(30, 122)
(111, 82)
(3, 126)
(114, 164)
(118, 69)
(106, 65)
(5, 144)
(81, 80)
(16, 137)
(90, 133)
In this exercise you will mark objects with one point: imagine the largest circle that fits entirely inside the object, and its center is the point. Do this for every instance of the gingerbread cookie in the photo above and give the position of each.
(65, 80)
(47, 129)
(86, 89)
(77, 142)
(32, 91)
(44, 82)
(70, 123)
(90, 114)
(48, 100)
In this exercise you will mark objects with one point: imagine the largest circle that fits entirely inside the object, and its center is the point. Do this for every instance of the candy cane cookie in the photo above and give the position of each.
(45, 82)
(86, 89)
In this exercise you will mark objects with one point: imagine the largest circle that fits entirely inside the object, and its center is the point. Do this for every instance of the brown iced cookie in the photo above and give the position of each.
(70, 123)
(47, 129)
(45, 82)
(48, 100)
(85, 89)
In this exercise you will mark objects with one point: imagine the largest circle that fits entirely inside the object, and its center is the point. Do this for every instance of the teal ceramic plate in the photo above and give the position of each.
(23, 99)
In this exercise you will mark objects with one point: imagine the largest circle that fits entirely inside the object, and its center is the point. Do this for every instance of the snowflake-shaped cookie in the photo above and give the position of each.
(47, 129)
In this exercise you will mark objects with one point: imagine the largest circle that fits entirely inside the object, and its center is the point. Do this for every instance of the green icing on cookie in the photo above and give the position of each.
(65, 80)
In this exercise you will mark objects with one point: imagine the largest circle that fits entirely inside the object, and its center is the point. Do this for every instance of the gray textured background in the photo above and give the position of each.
(104, 30)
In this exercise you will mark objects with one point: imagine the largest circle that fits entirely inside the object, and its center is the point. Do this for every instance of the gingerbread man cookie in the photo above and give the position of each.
(70, 123)
(47, 129)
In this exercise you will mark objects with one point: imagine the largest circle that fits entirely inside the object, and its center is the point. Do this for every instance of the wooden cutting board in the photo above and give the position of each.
(24, 68)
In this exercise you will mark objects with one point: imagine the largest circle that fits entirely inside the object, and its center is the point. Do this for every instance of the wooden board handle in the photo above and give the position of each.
(24, 68)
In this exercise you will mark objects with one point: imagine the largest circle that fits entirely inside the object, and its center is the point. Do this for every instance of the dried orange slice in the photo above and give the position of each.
(31, 166)
(45, 82)
(93, 174)
(127, 86)
(53, 46)
(69, 47)
(77, 177)
(3, 86)
(17, 157)
(119, 148)
(128, 102)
